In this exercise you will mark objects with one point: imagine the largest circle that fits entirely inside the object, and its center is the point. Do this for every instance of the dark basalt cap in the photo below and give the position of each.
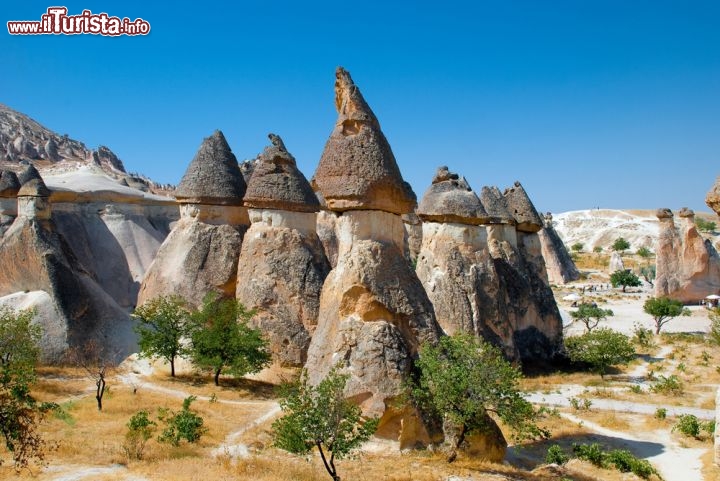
(357, 169)
(494, 204)
(685, 212)
(32, 184)
(522, 209)
(450, 199)
(213, 176)
(664, 213)
(9, 184)
(276, 182)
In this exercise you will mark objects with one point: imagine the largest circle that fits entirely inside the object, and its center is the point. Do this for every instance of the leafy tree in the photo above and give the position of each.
(20, 413)
(140, 430)
(644, 252)
(648, 273)
(463, 380)
(185, 424)
(590, 315)
(664, 310)
(601, 349)
(620, 245)
(320, 416)
(577, 247)
(624, 278)
(704, 225)
(222, 339)
(163, 323)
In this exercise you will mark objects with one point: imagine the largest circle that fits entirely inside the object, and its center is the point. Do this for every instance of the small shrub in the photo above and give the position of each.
(636, 389)
(597, 249)
(660, 413)
(688, 425)
(556, 455)
(708, 427)
(140, 429)
(642, 336)
(668, 385)
(625, 462)
(185, 424)
(580, 404)
(592, 453)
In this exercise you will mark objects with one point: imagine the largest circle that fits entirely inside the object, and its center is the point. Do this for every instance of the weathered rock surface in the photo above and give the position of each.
(559, 265)
(450, 199)
(282, 263)
(201, 253)
(495, 205)
(213, 177)
(522, 209)
(688, 266)
(488, 446)
(357, 169)
(712, 199)
(616, 263)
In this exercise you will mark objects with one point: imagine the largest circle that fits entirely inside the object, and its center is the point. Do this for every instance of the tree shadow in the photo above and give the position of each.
(246, 388)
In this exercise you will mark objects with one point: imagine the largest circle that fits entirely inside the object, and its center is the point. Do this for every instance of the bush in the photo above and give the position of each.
(601, 349)
(704, 225)
(668, 385)
(140, 429)
(621, 459)
(643, 337)
(660, 413)
(185, 424)
(597, 249)
(688, 425)
(577, 247)
(592, 453)
(556, 455)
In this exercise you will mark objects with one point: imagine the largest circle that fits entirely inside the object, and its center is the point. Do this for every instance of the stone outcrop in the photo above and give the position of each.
(357, 169)
(484, 276)
(616, 263)
(559, 265)
(374, 312)
(282, 264)
(688, 266)
(522, 209)
(9, 187)
(200, 254)
(712, 199)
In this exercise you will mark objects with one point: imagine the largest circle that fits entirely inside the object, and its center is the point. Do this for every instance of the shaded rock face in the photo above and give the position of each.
(9, 187)
(200, 255)
(282, 263)
(688, 266)
(616, 263)
(281, 272)
(357, 169)
(712, 199)
(450, 199)
(374, 313)
(488, 446)
(73, 307)
(559, 265)
(522, 209)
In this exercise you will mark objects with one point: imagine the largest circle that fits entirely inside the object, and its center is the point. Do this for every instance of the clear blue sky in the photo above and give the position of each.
(588, 103)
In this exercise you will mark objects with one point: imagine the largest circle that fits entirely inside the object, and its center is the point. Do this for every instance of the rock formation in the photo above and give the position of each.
(616, 263)
(374, 313)
(559, 265)
(282, 264)
(9, 187)
(712, 199)
(688, 267)
(40, 271)
(483, 274)
(200, 254)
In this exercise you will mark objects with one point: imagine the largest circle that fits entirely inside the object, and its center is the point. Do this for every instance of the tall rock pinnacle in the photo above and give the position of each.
(357, 170)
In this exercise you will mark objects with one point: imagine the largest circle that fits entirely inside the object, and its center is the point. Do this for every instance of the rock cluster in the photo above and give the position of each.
(481, 266)
(559, 265)
(688, 266)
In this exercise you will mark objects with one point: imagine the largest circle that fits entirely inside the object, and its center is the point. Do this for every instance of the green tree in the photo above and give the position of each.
(648, 273)
(140, 430)
(577, 247)
(222, 339)
(601, 349)
(590, 315)
(163, 323)
(664, 310)
(320, 416)
(624, 278)
(644, 252)
(620, 245)
(20, 413)
(463, 380)
(704, 225)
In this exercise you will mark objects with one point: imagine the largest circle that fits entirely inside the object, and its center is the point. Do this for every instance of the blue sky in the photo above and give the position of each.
(612, 104)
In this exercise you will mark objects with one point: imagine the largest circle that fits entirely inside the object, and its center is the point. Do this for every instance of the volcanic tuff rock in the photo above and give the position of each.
(9, 187)
(712, 199)
(616, 263)
(200, 254)
(522, 209)
(559, 265)
(357, 169)
(450, 199)
(688, 267)
(495, 206)
(489, 280)
(374, 313)
(282, 265)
